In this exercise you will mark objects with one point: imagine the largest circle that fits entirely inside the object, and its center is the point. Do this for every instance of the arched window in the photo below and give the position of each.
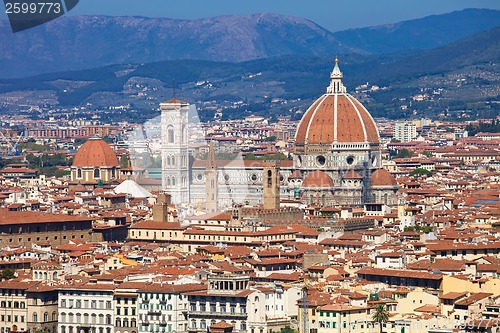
(269, 178)
(125, 322)
(79, 173)
(168, 181)
(132, 322)
(173, 181)
(169, 306)
(45, 276)
(108, 319)
(35, 317)
(173, 160)
(54, 276)
(168, 160)
(54, 316)
(36, 275)
(183, 134)
(63, 317)
(118, 322)
(97, 173)
(170, 134)
(46, 317)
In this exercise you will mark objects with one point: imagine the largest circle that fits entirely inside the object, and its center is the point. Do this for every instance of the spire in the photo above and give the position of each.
(211, 157)
(336, 86)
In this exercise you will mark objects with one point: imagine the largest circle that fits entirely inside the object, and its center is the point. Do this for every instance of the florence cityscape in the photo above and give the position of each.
(249, 167)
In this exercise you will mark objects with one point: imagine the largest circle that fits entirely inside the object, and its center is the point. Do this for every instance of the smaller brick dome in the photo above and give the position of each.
(352, 175)
(95, 153)
(382, 177)
(317, 179)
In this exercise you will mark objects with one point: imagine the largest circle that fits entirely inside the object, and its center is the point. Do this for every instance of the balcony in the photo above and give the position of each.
(154, 312)
(216, 314)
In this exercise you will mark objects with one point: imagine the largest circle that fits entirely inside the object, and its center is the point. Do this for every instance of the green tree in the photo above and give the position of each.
(7, 274)
(288, 329)
(380, 316)
(419, 172)
(404, 153)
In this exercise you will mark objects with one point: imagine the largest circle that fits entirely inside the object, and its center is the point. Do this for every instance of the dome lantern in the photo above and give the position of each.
(336, 86)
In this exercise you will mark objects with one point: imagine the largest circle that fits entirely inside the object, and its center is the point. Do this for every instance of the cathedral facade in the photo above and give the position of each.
(336, 160)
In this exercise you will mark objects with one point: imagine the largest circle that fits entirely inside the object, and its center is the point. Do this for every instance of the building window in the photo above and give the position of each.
(170, 134)
(97, 173)
(35, 317)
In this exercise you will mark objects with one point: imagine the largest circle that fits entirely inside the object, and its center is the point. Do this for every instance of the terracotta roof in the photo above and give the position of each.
(352, 175)
(382, 177)
(95, 153)
(336, 118)
(27, 217)
(318, 179)
(473, 298)
(221, 324)
(400, 273)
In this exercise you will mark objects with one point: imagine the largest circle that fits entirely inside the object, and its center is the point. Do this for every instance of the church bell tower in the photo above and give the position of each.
(174, 150)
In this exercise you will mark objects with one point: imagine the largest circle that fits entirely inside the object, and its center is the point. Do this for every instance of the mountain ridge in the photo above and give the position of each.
(85, 42)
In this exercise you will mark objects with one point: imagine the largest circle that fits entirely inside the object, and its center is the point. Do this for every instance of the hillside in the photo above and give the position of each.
(457, 76)
(74, 43)
(425, 33)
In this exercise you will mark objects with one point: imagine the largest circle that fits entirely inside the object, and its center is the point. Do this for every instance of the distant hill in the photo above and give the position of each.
(425, 33)
(465, 71)
(73, 43)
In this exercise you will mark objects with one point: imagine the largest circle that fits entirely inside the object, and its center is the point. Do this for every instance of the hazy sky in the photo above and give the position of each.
(333, 15)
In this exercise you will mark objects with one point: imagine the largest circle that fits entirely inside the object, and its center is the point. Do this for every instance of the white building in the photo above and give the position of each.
(405, 131)
(86, 308)
(163, 307)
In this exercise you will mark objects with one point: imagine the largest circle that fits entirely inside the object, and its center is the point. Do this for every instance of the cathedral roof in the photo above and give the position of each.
(336, 117)
(295, 175)
(352, 175)
(317, 179)
(95, 153)
(382, 177)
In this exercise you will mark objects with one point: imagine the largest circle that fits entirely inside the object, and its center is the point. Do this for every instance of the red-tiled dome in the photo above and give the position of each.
(336, 117)
(352, 175)
(382, 177)
(317, 179)
(95, 153)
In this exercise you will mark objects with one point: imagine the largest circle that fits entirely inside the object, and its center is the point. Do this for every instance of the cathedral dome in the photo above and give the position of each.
(336, 117)
(382, 177)
(95, 153)
(317, 179)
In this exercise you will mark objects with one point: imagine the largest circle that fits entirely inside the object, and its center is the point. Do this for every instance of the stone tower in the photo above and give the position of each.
(211, 181)
(271, 180)
(174, 149)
